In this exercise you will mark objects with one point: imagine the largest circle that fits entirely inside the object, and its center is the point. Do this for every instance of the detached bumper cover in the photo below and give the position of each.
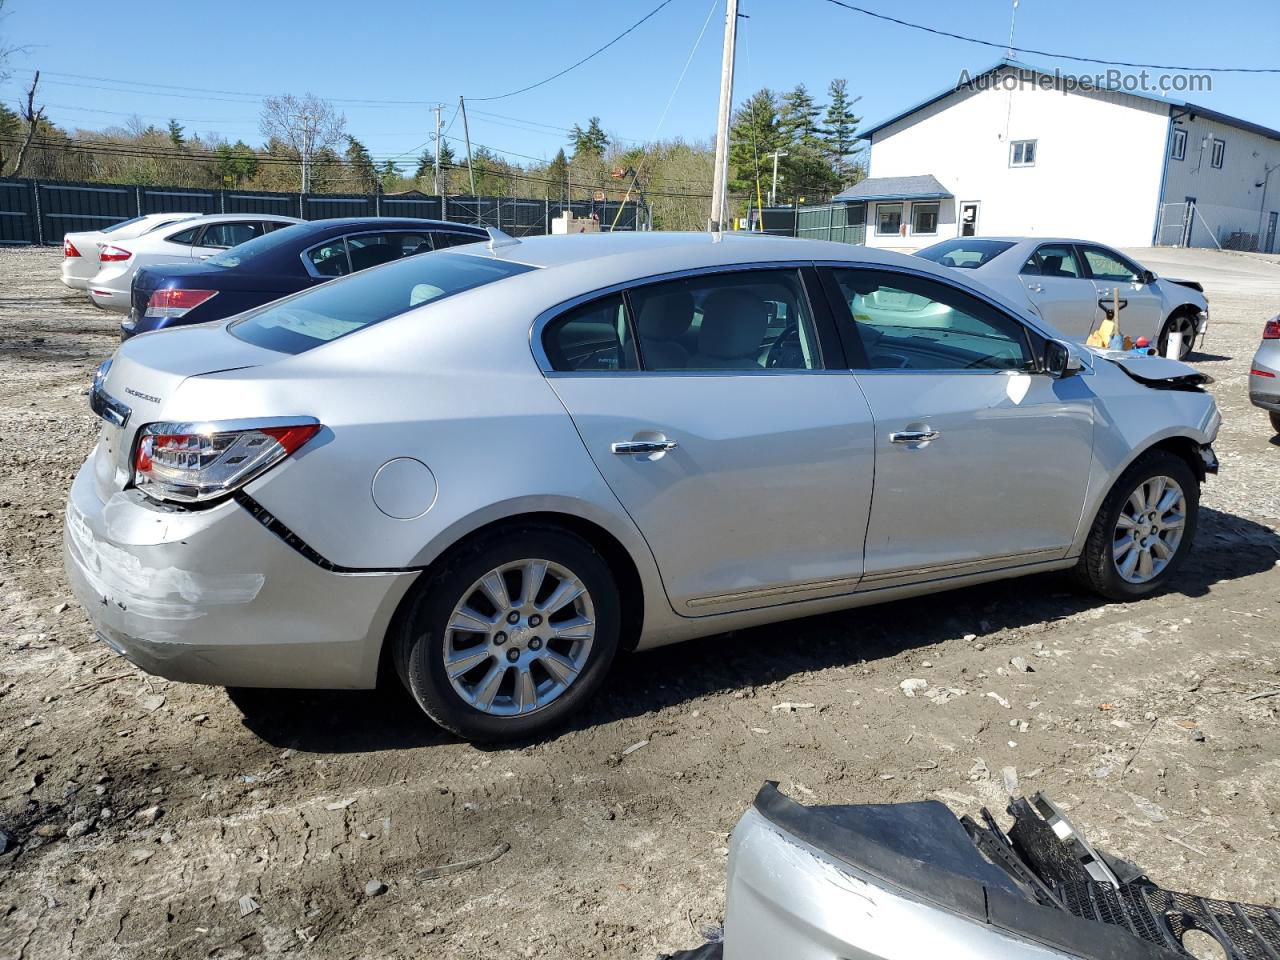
(907, 881)
(211, 596)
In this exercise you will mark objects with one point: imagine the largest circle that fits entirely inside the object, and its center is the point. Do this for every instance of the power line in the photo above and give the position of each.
(1046, 53)
(574, 66)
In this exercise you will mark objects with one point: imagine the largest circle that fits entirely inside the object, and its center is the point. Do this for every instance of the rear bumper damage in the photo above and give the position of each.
(904, 881)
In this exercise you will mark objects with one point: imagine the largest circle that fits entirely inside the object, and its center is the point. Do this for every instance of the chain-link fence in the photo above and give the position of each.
(41, 212)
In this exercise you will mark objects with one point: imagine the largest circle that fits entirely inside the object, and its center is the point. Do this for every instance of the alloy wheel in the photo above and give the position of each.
(1149, 529)
(1185, 325)
(519, 637)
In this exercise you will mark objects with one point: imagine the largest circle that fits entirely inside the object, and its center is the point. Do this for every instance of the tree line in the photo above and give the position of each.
(306, 144)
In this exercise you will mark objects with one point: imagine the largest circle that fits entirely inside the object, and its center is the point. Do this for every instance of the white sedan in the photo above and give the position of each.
(188, 242)
(80, 250)
(1072, 284)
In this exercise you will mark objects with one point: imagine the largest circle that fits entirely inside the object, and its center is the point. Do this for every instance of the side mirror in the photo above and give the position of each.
(1060, 361)
(1146, 277)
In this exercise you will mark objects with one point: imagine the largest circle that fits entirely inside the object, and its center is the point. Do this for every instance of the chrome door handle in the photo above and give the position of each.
(914, 436)
(625, 447)
(1035, 287)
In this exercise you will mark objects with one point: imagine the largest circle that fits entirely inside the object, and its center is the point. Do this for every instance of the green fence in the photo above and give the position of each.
(841, 222)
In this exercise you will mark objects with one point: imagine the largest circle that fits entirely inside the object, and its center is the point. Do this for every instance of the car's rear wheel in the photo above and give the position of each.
(1144, 529)
(1275, 421)
(1184, 322)
(512, 636)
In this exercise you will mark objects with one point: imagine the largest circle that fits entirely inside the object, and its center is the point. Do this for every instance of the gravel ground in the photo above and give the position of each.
(153, 819)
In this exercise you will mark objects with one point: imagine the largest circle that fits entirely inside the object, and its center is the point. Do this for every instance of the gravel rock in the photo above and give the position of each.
(913, 686)
(375, 888)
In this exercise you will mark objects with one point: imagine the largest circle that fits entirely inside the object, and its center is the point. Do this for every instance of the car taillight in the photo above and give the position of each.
(69, 249)
(110, 254)
(194, 463)
(174, 303)
(1272, 330)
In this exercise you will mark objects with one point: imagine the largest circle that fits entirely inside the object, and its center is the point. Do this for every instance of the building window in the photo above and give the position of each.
(1179, 149)
(888, 218)
(1022, 153)
(924, 218)
(1217, 154)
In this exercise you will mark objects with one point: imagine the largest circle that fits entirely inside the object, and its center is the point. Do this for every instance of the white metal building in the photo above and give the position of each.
(1015, 152)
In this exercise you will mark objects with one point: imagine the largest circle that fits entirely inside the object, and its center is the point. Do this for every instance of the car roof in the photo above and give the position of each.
(201, 219)
(410, 222)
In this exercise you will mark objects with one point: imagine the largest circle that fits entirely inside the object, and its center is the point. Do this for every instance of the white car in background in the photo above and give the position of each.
(80, 250)
(187, 242)
(1071, 285)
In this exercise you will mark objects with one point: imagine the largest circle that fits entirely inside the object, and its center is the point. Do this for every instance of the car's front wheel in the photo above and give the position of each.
(1144, 529)
(1183, 322)
(513, 634)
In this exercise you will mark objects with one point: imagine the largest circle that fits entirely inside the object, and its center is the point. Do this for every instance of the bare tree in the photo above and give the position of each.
(307, 125)
(33, 116)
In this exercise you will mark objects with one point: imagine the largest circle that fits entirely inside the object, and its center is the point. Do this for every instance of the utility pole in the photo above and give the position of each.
(435, 180)
(466, 133)
(773, 190)
(720, 184)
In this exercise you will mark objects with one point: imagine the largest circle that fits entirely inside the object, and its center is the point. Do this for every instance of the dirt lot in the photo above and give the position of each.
(142, 812)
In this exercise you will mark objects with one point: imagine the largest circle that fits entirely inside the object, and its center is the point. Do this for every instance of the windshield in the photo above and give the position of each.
(343, 306)
(267, 243)
(965, 253)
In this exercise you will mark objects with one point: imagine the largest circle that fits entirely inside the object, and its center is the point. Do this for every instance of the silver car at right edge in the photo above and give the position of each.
(1264, 373)
(489, 469)
(1072, 285)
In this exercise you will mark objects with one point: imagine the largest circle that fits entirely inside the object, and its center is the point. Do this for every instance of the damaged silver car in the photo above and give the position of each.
(487, 470)
(907, 881)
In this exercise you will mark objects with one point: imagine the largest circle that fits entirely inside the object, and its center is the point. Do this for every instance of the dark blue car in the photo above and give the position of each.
(277, 264)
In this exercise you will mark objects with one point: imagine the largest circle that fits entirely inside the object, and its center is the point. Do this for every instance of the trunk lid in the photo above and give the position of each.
(146, 372)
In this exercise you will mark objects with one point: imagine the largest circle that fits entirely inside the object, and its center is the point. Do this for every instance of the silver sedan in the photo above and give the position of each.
(490, 469)
(1073, 284)
(1264, 373)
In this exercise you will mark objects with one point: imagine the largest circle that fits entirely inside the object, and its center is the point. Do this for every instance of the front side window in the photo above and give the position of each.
(1179, 149)
(1218, 154)
(1107, 265)
(904, 322)
(595, 336)
(924, 218)
(226, 235)
(332, 310)
(1053, 260)
(1022, 153)
(752, 320)
(888, 218)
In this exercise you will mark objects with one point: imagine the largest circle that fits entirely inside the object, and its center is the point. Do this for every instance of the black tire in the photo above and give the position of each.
(1275, 421)
(1096, 568)
(420, 644)
(1188, 343)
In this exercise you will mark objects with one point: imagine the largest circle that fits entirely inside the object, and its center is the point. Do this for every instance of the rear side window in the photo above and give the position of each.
(594, 336)
(1053, 260)
(329, 259)
(184, 237)
(226, 235)
(332, 310)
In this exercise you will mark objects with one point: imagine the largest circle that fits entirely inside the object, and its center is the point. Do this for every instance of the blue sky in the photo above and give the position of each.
(404, 50)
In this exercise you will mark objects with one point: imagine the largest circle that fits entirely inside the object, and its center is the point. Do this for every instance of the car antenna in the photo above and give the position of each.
(499, 239)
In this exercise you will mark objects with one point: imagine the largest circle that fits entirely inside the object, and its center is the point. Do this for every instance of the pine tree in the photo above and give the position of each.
(798, 119)
(361, 165)
(237, 163)
(176, 133)
(557, 177)
(427, 161)
(388, 175)
(840, 135)
(753, 134)
(590, 142)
